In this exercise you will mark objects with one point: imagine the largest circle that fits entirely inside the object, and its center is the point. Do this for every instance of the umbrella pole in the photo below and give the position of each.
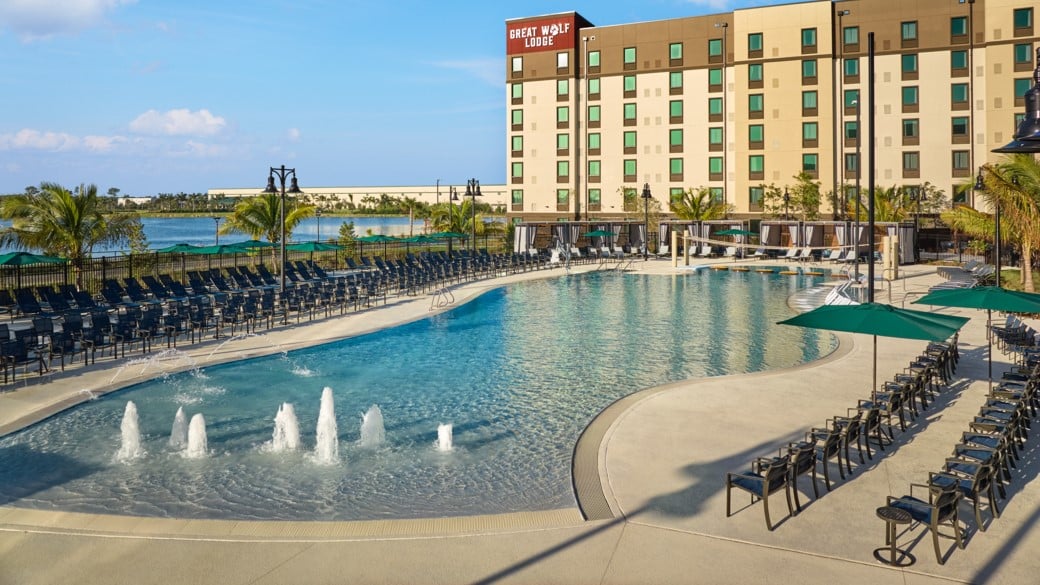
(874, 387)
(989, 339)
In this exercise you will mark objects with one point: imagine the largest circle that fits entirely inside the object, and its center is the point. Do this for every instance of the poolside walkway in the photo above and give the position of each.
(661, 463)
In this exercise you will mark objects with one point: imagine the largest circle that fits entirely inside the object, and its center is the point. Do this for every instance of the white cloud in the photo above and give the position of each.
(102, 143)
(180, 122)
(293, 134)
(29, 139)
(40, 19)
(487, 70)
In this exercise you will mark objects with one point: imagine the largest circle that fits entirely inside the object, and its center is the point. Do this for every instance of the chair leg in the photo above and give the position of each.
(729, 489)
(765, 506)
(935, 541)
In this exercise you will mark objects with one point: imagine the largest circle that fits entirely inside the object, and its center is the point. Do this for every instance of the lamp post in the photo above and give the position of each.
(859, 173)
(915, 197)
(317, 215)
(294, 188)
(646, 221)
(473, 191)
(980, 185)
(216, 230)
(787, 204)
(725, 29)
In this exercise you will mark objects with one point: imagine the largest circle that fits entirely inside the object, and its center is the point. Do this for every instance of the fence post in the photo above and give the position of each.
(104, 268)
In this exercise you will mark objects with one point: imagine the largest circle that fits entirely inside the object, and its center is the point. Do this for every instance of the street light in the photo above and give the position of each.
(859, 173)
(216, 228)
(453, 196)
(915, 197)
(473, 191)
(294, 188)
(646, 221)
(317, 215)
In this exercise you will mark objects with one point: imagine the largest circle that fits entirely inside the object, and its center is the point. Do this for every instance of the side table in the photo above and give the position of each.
(893, 518)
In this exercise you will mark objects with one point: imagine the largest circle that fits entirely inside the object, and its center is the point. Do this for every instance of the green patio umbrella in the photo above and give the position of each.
(599, 234)
(313, 247)
(879, 319)
(448, 235)
(178, 248)
(376, 239)
(991, 298)
(253, 244)
(19, 259)
(736, 232)
(218, 249)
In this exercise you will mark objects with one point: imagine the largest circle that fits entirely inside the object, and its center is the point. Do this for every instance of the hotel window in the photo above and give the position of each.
(911, 128)
(517, 171)
(675, 111)
(595, 198)
(675, 52)
(911, 162)
(594, 88)
(911, 98)
(517, 144)
(1022, 85)
(756, 195)
(850, 34)
(715, 167)
(756, 166)
(959, 129)
(959, 26)
(715, 109)
(628, 139)
(630, 114)
(563, 198)
(594, 142)
(756, 133)
(961, 160)
(908, 66)
(716, 194)
(562, 61)
(959, 96)
(675, 195)
(850, 99)
(959, 62)
(563, 170)
(851, 131)
(517, 92)
(675, 139)
(810, 133)
(629, 84)
(810, 163)
(594, 169)
(715, 136)
(593, 58)
(629, 58)
(754, 75)
(563, 116)
(754, 42)
(563, 143)
(714, 47)
(852, 67)
(675, 79)
(518, 198)
(715, 78)
(518, 119)
(851, 163)
(809, 103)
(756, 105)
(629, 167)
(518, 65)
(675, 169)
(808, 38)
(809, 68)
(562, 87)
(1023, 57)
(908, 31)
(594, 116)
(1023, 20)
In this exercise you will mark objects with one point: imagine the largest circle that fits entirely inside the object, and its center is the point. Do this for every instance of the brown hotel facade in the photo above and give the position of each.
(738, 100)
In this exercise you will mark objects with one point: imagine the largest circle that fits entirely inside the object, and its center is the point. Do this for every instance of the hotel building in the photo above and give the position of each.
(741, 100)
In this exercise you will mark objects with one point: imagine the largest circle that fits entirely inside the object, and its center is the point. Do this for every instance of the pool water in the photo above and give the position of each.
(518, 372)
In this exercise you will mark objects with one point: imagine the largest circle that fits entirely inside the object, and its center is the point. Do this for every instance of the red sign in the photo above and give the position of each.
(543, 34)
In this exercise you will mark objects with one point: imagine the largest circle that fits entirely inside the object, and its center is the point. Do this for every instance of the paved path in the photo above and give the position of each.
(661, 463)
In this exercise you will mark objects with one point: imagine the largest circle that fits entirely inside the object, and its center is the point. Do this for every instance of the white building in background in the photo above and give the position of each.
(494, 195)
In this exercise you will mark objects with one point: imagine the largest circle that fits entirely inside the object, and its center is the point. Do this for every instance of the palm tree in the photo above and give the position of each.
(697, 204)
(1014, 187)
(416, 210)
(260, 217)
(55, 221)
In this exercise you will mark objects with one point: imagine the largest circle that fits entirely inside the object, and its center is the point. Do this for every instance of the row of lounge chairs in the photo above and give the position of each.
(870, 420)
(973, 273)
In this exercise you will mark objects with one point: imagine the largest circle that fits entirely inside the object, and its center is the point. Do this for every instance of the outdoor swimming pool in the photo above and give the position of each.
(518, 372)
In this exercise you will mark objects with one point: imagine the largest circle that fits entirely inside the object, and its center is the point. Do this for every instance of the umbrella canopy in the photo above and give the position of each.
(448, 235)
(26, 258)
(599, 234)
(880, 319)
(376, 239)
(221, 249)
(252, 244)
(420, 240)
(177, 248)
(736, 232)
(313, 247)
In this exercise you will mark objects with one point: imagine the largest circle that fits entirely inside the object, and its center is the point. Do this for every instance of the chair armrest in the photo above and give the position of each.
(921, 486)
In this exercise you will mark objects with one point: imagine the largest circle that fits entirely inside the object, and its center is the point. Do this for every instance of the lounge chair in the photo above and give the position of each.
(759, 253)
(731, 252)
(705, 252)
(940, 509)
(791, 254)
(767, 476)
(805, 255)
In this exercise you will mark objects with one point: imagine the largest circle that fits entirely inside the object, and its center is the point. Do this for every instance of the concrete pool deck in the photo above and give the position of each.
(659, 457)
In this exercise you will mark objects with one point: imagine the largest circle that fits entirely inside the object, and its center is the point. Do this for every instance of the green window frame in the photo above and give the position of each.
(516, 170)
(563, 114)
(911, 128)
(756, 195)
(594, 168)
(851, 130)
(715, 165)
(809, 99)
(850, 34)
(958, 26)
(714, 47)
(851, 163)
(1022, 17)
(809, 68)
(594, 113)
(675, 137)
(715, 106)
(850, 98)
(908, 30)
(594, 86)
(1023, 53)
(961, 160)
(959, 125)
(757, 163)
(562, 87)
(629, 82)
(517, 117)
(675, 108)
(756, 102)
(675, 51)
(852, 66)
(808, 37)
(517, 90)
(675, 166)
(959, 93)
(810, 162)
(675, 79)
(594, 140)
(517, 143)
(910, 95)
(716, 194)
(908, 63)
(630, 111)
(628, 139)
(593, 58)
(810, 131)
(629, 166)
(595, 197)
(518, 197)
(715, 135)
(958, 59)
(563, 197)
(629, 55)
(563, 168)
(675, 194)
(754, 42)
(1022, 85)
(911, 161)
(563, 141)
(755, 72)
(714, 76)
(756, 132)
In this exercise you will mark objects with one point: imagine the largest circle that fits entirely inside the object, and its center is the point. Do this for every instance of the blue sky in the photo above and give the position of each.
(153, 96)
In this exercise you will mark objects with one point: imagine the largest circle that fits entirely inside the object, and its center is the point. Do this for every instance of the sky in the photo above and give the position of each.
(165, 96)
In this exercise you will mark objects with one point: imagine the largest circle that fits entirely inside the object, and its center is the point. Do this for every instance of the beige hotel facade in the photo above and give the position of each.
(735, 101)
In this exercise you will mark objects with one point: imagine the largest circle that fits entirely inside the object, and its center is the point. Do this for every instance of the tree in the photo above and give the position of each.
(55, 221)
(697, 204)
(113, 192)
(260, 217)
(416, 210)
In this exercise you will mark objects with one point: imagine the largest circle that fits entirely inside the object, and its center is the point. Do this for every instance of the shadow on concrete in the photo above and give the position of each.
(24, 472)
